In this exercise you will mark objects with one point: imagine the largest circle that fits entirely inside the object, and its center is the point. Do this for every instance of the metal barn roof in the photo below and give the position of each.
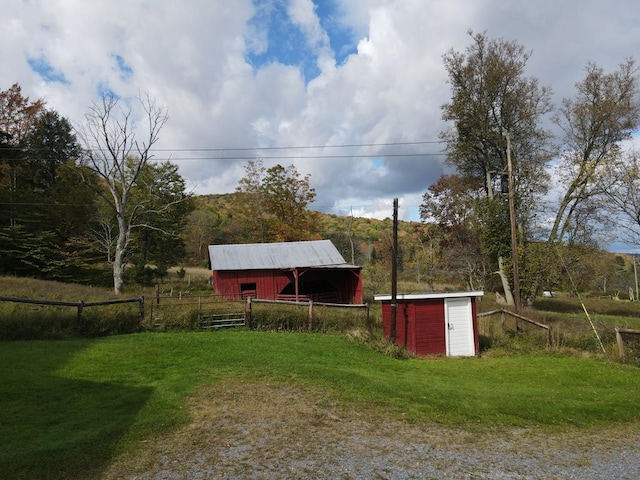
(266, 256)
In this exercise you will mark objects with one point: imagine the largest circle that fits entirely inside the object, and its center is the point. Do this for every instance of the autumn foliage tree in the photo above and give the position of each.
(273, 203)
(492, 98)
(46, 208)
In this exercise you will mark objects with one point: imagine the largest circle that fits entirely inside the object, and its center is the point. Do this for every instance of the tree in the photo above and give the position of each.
(453, 202)
(621, 187)
(272, 204)
(114, 153)
(492, 98)
(605, 111)
(206, 226)
(46, 207)
(164, 212)
(18, 118)
(286, 195)
(249, 206)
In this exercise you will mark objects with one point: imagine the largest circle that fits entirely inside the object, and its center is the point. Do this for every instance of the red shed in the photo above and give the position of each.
(300, 271)
(434, 323)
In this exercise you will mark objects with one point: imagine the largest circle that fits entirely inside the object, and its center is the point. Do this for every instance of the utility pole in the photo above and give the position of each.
(514, 232)
(635, 276)
(394, 272)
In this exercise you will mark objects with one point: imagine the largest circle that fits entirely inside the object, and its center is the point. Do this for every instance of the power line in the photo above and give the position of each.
(285, 147)
(273, 157)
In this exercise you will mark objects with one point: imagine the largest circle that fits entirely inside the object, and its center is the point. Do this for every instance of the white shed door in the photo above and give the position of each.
(459, 331)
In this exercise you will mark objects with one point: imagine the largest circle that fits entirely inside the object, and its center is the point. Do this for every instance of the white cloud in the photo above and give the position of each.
(194, 58)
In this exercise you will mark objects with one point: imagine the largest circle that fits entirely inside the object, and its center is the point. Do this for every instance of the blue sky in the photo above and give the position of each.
(46, 71)
(286, 42)
(258, 74)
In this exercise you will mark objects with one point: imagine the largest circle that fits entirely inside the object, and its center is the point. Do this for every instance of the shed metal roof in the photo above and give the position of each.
(427, 296)
(267, 256)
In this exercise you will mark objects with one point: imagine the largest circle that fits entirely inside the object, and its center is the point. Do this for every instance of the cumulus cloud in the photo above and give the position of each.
(240, 78)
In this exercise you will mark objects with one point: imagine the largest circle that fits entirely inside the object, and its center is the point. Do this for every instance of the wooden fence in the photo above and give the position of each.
(80, 306)
(310, 305)
(620, 341)
(504, 312)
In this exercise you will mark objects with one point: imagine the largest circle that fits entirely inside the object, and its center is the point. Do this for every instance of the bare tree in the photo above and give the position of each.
(604, 112)
(115, 154)
(623, 195)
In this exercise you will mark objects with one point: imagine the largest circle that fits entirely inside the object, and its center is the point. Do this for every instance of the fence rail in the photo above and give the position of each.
(620, 341)
(81, 305)
(504, 312)
(310, 305)
(206, 315)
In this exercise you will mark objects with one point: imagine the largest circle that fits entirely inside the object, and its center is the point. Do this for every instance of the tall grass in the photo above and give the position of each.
(29, 322)
(298, 318)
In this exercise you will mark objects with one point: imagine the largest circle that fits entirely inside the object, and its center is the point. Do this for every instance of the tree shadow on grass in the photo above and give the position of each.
(59, 428)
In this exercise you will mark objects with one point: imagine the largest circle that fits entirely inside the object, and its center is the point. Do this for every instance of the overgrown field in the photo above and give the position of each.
(70, 407)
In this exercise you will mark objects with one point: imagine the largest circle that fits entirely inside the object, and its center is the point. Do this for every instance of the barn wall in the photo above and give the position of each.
(345, 285)
(268, 283)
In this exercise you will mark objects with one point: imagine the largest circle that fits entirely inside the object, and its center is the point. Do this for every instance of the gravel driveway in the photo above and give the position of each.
(263, 431)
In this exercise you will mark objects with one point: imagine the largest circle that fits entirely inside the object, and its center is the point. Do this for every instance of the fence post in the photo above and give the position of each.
(368, 317)
(549, 337)
(620, 345)
(247, 313)
(141, 308)
(310, 314)
(80, 308)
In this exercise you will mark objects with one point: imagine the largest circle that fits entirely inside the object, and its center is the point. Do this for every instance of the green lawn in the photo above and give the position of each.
(68, 407)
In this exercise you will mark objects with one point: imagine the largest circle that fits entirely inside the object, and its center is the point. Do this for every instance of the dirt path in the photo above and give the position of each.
(275, 431)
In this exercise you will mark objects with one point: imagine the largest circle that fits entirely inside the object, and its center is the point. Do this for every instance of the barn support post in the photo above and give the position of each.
(296, 281)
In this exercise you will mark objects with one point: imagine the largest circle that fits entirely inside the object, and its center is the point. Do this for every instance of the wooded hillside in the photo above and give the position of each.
(431, 256)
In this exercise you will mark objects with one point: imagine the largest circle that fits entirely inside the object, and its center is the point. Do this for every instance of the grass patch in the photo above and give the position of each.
(71, 406)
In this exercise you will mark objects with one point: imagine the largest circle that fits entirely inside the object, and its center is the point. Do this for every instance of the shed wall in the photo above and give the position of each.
(430, 327)
(421, 325)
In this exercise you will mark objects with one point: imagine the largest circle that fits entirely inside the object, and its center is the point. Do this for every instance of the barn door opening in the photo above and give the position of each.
(459, 327)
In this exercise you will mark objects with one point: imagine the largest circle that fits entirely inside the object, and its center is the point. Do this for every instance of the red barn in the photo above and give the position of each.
(434, 323)
(300, 271)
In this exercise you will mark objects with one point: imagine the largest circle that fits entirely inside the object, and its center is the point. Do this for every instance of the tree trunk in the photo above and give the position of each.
(119, 257)
(118, 272)
(508, 296)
